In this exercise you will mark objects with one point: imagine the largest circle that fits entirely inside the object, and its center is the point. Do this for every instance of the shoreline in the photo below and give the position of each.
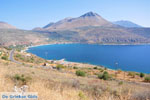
(26, 48)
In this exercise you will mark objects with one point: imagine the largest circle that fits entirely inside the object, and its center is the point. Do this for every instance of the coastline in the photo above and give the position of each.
(108, 67)
(139, 44)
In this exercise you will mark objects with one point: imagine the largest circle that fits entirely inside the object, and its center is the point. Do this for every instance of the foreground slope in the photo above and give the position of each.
(56, 84)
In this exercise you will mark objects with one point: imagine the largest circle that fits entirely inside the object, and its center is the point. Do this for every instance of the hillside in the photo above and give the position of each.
(4, 25)
(20, 37)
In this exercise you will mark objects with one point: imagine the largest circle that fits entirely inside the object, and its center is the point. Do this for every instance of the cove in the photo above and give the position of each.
(124, 57)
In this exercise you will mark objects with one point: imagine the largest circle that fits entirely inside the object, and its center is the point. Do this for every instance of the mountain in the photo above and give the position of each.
(92, 28)
(88, 19)
(127, 24)
(87, 28)
(4, 25)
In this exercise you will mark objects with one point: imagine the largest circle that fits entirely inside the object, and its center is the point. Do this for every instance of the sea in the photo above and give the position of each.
(118, 57)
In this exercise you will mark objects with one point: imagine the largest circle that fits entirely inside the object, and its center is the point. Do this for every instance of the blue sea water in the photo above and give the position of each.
(124, 57)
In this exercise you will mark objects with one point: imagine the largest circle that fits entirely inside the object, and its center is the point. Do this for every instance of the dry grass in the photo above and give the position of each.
(55, 85)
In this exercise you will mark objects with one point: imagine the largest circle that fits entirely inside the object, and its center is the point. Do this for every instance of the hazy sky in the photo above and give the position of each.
(27, 14)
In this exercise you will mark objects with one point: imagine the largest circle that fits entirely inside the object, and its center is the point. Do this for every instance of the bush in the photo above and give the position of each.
(60, 66)
(104, 76)
(147, 79)
(101, 70)
(4, 57)
(138, 74)
(21, 78)
(120, 83)
(18, 55)
(81, 95)
(95, 68)
(132, 74)
(142, 75)
(75, 67)
(80, 73)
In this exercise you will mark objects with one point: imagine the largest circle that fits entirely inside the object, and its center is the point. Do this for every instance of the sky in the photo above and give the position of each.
(28, 14)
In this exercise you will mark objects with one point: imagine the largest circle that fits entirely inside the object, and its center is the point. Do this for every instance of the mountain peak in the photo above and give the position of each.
(90, 14)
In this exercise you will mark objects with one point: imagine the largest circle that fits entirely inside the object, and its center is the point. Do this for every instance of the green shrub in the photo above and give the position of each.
(105, 72)
(120, 83)
(147, 79)
(101, 70)
(82, 96)
(132, 74)
(75, 67)
(95, 68)
(104, 76)
(5, 57)
(18, 55)
(59, 66)
(21, 78)
(138, 74)
(80, 73)
(142, 75)
(17, 77)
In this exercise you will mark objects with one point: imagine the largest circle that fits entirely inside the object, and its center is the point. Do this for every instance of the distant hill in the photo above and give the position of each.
(127, 24)
(20, 37)
(4, 25)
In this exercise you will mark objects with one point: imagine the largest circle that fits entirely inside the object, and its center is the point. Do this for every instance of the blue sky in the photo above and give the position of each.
(27, 14)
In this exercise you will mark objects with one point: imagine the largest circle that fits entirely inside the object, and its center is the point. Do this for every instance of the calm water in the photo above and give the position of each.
(128, 57)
